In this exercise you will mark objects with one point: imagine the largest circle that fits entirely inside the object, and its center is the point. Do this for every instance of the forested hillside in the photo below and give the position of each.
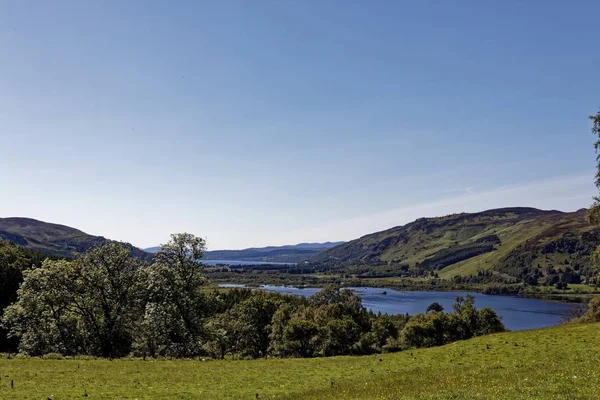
(524, 244)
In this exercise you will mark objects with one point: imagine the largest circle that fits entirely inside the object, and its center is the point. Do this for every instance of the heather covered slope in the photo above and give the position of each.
(53, 239)
(515, 242)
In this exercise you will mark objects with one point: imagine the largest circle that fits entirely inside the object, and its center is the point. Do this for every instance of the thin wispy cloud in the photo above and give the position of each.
(272, 132)
(469, 189)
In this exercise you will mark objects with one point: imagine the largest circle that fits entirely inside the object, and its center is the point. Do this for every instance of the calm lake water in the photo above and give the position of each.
(233, 262)
(517, 313)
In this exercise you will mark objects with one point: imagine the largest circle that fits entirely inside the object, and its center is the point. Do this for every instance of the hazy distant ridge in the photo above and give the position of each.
(289, 253)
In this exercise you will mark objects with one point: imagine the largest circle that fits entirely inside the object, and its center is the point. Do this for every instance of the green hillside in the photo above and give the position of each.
(517, 243)
(558, 363)
(53, 239)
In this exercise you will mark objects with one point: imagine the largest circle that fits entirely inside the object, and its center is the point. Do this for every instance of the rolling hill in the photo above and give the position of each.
(523, 243)
(54, 239)
(289, 254)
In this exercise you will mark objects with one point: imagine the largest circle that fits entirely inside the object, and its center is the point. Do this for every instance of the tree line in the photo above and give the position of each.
(106, 303)
(13, 261)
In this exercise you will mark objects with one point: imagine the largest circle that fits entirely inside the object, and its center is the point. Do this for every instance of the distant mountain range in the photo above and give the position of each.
(289, 254)
(518, 242)
(53, 239)
(64, 241)
(523, 243)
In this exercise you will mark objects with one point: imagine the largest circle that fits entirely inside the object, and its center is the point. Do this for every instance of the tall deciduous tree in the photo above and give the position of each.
(175, 313)
(594, 211)
(109, 296)
(87, 306)
(13, 261)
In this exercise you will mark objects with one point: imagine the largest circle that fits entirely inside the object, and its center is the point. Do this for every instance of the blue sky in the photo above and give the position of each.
(277, 122)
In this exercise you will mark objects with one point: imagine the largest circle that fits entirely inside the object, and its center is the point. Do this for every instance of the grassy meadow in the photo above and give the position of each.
(553, 363)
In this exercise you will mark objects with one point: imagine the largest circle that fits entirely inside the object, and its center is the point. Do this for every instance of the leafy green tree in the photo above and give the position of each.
(593, 214)
(281, 317)
(333, 302)
(489, 322)
(42, 318)
(531, 279)
(221, 338)
(249, 323)
(593, 312)
(173, 322)
(435, 307)
(383, 336)
(13, 261)
(465, 310)
(385, 326)
(433, 329)
(109, 296)
(87, 306)
(438, 328)
(415, 333)
(339, 336)
(301, 338)
(333, 322)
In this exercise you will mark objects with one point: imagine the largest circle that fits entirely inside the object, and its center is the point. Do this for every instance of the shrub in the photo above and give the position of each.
(593, 312)
(438, 328)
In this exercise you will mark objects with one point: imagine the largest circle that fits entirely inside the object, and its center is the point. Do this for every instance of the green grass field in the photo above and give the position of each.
(553, 363)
